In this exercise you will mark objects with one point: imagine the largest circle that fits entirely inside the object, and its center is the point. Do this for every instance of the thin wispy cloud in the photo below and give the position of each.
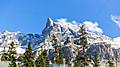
(116, 19)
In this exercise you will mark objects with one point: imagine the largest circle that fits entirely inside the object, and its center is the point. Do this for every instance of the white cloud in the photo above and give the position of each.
(117, 39)
(116, 19)
(92, 26)
(62, 20)
(116, 42)
(66, 24)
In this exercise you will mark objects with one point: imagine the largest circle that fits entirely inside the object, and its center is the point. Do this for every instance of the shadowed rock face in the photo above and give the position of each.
(116, 54)
(105, 51)
(67, 53)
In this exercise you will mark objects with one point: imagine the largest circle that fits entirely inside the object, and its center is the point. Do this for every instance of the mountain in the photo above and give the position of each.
(22, 40)
(67, 34)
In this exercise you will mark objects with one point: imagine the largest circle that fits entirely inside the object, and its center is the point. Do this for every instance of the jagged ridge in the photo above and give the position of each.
(65, 32)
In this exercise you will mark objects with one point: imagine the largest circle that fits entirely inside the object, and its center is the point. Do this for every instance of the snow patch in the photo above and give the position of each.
(19, 50)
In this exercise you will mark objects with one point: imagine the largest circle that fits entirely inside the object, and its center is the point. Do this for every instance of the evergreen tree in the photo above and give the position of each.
(12, 55)
(67, 61)
(45, 56)
(4, 57)
(41, 60)
(11, 52)
(47, 62)
(7, 56)
(77, 63)
(13, 62)
(83, 55)
(60, 57)
(110, 63)
(21, 60)
(55, 45)
(54, 41)
(28, 57)
(84, 43)
(96, 60)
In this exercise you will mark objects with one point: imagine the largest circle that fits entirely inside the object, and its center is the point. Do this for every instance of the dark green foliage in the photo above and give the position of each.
(54, 41)
(60, 57)
(45, 56)
(53, 61)
(28, 57)
(47, 62)
(83, 55)
(110, 63)
(44, 53)
(55, 53)
(83, 42)
(96, 60)
(42, 60)
(55, 57)
(11, 51)
(78, 63)
(21, 58)
(13, 62)
(12, 55)
(5, 57)
(67, 62)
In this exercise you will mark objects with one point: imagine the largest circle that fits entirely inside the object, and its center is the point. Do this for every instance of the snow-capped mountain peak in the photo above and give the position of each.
(65, 31)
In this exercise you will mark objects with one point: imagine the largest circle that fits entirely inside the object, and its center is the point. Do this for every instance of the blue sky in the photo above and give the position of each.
(30, 16)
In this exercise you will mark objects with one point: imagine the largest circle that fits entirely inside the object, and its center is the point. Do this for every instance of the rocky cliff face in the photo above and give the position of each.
(67, 34)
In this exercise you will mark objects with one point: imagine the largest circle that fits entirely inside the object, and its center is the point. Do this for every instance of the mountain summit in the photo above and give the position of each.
(67, 34)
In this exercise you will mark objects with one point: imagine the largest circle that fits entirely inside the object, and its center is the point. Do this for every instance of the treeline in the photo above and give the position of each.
(28, 59)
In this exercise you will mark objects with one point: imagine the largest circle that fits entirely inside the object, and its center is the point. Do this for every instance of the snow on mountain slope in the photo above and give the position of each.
(67, 29)
(63, 29)
(95, 33)
(8, 37)
(22, 40)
